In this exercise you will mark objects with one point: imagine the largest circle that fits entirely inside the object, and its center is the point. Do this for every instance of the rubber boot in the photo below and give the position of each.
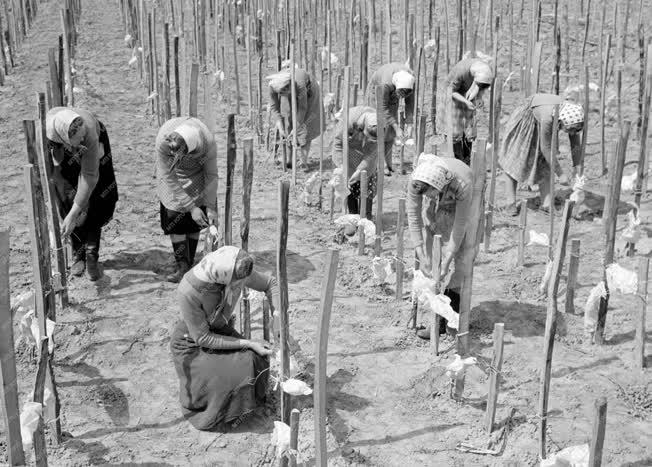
(353, 204)
(192, 249)
(78, 254)
(93, 255)
(181, 261)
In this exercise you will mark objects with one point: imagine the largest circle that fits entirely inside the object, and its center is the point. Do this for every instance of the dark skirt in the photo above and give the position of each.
(217, 387)
(101, 204)
(178, 223)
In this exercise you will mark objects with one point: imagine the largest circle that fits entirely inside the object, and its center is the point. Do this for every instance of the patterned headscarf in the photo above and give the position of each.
(481, 71)
(433, 171)
(217, 267)
(190, 135)
(403, 80)
(571, 114)
(57, 124)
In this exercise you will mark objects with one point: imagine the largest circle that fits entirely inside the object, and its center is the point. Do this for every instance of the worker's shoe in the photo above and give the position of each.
(425, 332)
(192, 249)
(79, 263)
(181, 261)
(92, 266)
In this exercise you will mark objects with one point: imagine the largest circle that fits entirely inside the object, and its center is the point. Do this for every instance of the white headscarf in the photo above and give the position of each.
(190, 135)
(433, 171)
(57, 124)
(217, 267)
(279, 80)
(403, 80)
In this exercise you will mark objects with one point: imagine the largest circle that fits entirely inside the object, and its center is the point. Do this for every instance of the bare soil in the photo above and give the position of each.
(388, 399)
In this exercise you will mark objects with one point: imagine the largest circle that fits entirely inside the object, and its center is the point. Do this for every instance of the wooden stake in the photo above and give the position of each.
(494, 122)
(70, 100)
(585, 128)
(364, 188)
(236, 73)
(551, 325)
(642, 169)
(571, 283)
(494, 378)
(388, 24)
(177, 86)
(293, 101)
(554, 148)
(586, 28)
(478, 167)
(603, 95)
(192, 93)
(639, 339)
(345, 131)
(321, 351)
(599, 428)
(247, 183)
(294, 435)
(380, 170)
(230, 168)
(8, 376)
(400, 228)
(282, 277)
(610, 217)
(40, 449)
(57, 98)
(436, 276)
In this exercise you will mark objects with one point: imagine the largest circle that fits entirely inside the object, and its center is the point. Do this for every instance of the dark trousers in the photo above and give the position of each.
(86, 236)
(353, 200)
(462, 150)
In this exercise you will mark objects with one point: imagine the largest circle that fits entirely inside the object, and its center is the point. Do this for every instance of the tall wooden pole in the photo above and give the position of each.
(282, 277)
(231, 155)
(380, 170)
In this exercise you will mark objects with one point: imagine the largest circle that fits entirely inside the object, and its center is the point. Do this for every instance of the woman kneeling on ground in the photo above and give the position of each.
(529, 128)
(222, 377)
(85, 182)
(186, 169)
(446, 183)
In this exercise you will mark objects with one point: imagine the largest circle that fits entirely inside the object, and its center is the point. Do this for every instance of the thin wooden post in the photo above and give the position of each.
(639, 339)
(230, 168)
(70, 101)
(345, 132)
(364, 188)
(436, 276)
(573, 268)
(494, 377)
(321, 351)
(599, 428)
(400, 228)
(603, 96)
(266, 321)
(551, 325)
(177, 84)
(478, 167)
(585, 127)
(57, 98)
(380, 169)
(282, 277)
(40, 449)
(522, 229)
(641, 172)
(247, 183)
(554, 148)
(494, 121)
(610, 217)
(8, 376)
(236, 72)
(294, 436)
(193, 92)
(388, 25)
(293, 102)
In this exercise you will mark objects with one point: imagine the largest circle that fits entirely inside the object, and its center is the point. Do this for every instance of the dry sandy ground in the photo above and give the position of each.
(387, 396)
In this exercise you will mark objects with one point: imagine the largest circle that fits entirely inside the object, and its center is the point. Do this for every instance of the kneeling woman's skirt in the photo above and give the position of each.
(217, 387)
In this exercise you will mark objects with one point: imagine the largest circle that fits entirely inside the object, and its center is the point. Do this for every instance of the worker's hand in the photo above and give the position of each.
(262, 348)
(470, 105)
(279, 127)
(211, 214)
(354, 178)
(69, 224)
(199, 217)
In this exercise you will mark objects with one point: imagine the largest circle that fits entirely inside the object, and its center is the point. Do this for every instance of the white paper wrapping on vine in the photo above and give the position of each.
(429, 48)
(310, 193)
(337, 181)
(325, 56)
(546, 277)
(29, 418)
(28, 327)
(425, 291)
(632, 233)
(275, 364)
(628, 182)
(382, 269)
(296, 387)
(459, 365)
(621, 279)
(578, 193)
(539, 239)
(369, 231)
(592, 306)
(281, 436)
(572, 456)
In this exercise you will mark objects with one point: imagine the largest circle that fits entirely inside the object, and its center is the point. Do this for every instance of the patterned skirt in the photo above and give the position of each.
(463, 118)
(518, 157)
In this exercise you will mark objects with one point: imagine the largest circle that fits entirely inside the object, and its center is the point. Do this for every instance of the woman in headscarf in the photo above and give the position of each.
(397, 80)
(446, 185)
(222, 377)
(85, 182)
(186, 168)
(307, 121)
(363, 154)
(529, 130)
(462, 95)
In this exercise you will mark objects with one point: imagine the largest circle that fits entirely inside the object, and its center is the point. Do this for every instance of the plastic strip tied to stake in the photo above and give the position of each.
(29, 418)
(281, 438)
(539, 239)
(382, 269)
(28, 327)
(296, 387)
(459, 365)
(621, 279)
(339, 184)
(578, 194)
(573, 456)
(592, 306)
(632, 233)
